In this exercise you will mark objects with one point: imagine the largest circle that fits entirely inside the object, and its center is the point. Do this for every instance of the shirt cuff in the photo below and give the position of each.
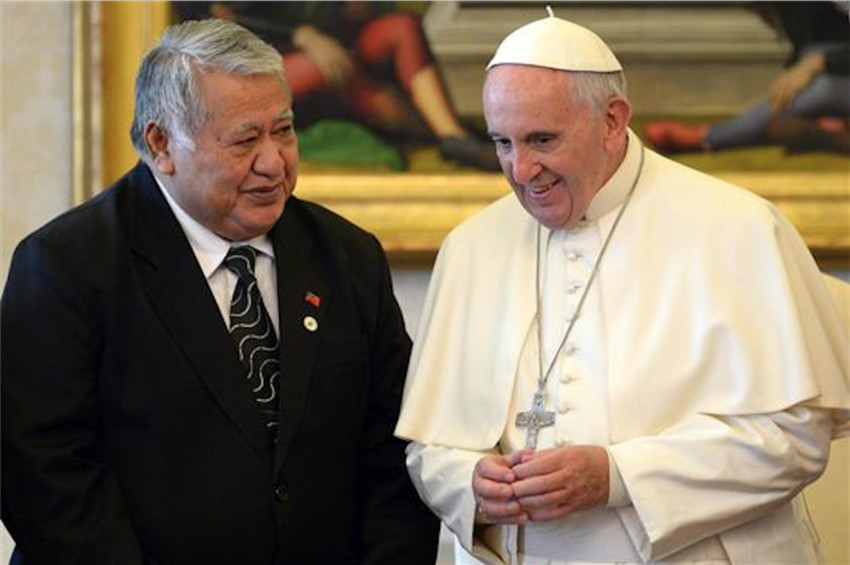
(618, 495)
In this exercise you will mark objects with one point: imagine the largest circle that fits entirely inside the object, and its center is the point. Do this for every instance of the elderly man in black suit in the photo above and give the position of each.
(198, 367)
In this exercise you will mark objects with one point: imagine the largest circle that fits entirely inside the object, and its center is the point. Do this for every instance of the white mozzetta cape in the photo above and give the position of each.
(712, 305)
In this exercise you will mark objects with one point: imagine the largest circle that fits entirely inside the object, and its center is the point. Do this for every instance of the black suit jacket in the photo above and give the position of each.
(129, 434)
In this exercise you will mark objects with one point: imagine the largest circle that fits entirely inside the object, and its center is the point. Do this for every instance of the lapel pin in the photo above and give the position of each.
(312, 299)
(310, 323)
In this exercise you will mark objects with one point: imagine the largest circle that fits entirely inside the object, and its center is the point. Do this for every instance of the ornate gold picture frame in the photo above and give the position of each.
(409, 213)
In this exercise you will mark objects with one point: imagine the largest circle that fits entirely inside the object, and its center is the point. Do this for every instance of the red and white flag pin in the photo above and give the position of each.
(312, 299)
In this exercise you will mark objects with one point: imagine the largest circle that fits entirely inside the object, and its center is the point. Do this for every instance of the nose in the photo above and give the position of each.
(524, 165)
(269, 161)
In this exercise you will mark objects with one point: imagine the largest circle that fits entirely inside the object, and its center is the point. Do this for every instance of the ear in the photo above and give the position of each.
(159, 148)
(617, 118)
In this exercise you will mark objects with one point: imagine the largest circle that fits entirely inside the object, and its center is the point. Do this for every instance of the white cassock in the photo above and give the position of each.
(708, 358)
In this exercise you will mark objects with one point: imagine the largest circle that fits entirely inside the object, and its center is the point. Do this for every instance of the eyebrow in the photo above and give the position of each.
(529, 135)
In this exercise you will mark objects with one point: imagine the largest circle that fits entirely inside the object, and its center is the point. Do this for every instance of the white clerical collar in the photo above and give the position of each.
(209, 248)
(617, 188)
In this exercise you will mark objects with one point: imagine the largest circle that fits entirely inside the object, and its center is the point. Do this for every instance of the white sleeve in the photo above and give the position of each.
(712, 473)
(443, 478)
(618, 496)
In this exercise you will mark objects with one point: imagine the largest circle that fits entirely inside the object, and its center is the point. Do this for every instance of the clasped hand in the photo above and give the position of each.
(541, 485)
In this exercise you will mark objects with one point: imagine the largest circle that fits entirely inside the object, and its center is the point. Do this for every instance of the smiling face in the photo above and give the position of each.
(244, 166)
(556, 152)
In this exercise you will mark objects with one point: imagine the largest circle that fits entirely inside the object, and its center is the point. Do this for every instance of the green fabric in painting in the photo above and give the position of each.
(336, 142)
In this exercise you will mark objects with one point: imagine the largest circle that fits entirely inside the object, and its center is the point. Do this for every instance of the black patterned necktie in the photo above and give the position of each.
(254, 334)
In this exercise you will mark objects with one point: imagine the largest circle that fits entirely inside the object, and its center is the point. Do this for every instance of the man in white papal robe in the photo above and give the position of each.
(692, 365)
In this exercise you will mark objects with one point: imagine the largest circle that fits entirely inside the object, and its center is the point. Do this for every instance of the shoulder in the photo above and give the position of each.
(697, 218)
(487, 232)
(90, 226)
(344, 250)
(79, 255)
(331, 229)
(685, 197)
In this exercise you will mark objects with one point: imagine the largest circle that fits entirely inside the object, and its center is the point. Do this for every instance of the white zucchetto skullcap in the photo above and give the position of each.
(556, 44)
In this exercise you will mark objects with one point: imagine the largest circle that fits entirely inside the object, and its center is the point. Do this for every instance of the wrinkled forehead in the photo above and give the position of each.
(233, 101)
(524, 83)
(519, 99)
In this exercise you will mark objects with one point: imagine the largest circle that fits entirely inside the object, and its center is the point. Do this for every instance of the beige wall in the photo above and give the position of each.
(35, 109)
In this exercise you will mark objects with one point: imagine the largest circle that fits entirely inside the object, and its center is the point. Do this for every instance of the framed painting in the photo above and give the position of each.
(402, 181)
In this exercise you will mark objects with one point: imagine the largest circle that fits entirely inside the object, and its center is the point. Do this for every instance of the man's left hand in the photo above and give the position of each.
(553, 483)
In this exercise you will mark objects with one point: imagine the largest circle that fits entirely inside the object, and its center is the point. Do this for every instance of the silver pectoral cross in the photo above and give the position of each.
(535, 419)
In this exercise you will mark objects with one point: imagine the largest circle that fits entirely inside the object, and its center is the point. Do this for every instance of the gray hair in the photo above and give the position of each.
(597, 88)
(166, 85)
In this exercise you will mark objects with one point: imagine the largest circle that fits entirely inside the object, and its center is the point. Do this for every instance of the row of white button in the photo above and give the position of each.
(573, 286)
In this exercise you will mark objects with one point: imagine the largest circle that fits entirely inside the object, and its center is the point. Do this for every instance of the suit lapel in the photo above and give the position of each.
(180, 295)
(300, 278)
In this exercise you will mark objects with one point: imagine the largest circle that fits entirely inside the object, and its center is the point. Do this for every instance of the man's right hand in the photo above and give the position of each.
(794, 80)
(334, 62)
(494, 494)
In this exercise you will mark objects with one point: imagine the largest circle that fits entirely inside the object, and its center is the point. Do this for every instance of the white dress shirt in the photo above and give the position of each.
(210, 250)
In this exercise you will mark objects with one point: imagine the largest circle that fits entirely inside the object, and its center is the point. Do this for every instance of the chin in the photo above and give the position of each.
(546, 218)
(245, 231)
(264, 219)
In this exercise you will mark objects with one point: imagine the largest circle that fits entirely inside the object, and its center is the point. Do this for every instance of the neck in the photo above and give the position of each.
(617, 158)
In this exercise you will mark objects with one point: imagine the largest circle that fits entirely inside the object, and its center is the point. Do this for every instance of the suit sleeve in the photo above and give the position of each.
(60, 504)
(397, 526)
